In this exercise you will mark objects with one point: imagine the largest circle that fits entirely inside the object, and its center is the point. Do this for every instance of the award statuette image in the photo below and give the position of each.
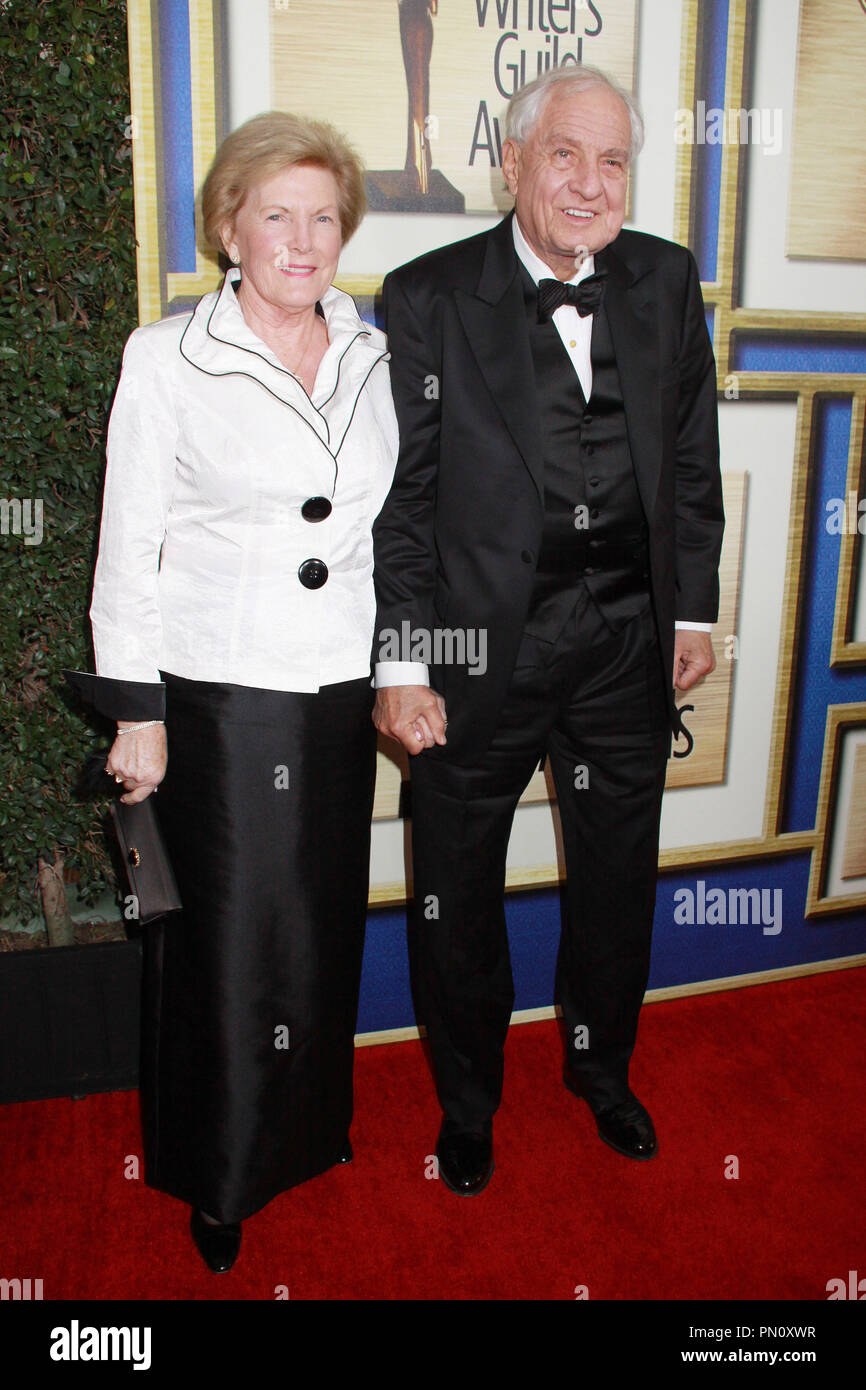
(417, 187)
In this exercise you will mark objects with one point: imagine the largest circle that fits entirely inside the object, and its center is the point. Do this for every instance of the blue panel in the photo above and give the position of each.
(386, 1001)
(710, 88)
(804, 352)
(686, 953)
(176, 112)
(816, 685)
(682, 953)
(710, 315)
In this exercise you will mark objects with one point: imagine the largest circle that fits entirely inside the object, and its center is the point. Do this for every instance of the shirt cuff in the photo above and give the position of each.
(132, 701)
(695, 627)
(400, 673)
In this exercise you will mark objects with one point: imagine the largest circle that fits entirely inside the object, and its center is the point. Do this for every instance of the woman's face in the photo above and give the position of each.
(287, 238)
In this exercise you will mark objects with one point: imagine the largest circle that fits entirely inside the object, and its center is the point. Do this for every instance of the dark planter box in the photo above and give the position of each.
(69, 1020)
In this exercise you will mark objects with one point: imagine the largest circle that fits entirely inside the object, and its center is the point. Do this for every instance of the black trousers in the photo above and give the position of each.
(595, 702)
(251, 993)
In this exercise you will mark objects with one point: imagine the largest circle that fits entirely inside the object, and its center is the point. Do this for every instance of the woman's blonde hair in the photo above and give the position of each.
(262, 148)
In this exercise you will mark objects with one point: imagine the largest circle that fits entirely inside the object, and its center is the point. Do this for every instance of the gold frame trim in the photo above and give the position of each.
(145, 181)
(843, 651)
(157, 288)
(204, 61)
(839, 718)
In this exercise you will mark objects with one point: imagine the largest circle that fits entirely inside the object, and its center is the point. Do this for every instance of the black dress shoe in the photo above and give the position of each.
(465, 1162)
(345, 1154)
(217, 1245)
(628, 1128)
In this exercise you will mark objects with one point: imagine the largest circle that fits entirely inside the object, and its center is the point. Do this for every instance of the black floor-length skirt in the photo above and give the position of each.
(251, 993)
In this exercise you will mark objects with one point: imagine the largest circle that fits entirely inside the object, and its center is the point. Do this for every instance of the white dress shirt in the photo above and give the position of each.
(213, 448)
(576, 334)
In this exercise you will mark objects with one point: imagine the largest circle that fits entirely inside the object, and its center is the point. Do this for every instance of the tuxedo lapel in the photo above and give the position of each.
(630, 301)
(494, 320)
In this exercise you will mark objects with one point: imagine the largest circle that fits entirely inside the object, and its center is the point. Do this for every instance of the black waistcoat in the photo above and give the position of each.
(594, 527)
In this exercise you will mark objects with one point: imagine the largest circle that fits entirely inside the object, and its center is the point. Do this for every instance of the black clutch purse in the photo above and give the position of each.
(142, 849)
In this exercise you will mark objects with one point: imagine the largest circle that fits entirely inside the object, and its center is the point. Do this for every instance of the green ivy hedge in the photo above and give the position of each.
(67, 304)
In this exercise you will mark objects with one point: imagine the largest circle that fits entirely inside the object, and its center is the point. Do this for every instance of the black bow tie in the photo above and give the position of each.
(586, 297)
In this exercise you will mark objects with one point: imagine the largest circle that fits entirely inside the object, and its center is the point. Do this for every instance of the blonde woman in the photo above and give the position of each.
(251, 445)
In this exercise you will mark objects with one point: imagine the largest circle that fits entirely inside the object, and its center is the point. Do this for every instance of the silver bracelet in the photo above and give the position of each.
(134, 728)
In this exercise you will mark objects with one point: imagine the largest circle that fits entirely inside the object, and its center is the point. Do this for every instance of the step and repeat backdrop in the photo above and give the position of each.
(755, 159)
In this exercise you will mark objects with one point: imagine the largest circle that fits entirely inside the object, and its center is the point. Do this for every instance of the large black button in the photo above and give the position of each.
(316, 509)
(526, 557)
(594, 514)
(587, 419)
(593, 482)
(589, 450)
(313, 573)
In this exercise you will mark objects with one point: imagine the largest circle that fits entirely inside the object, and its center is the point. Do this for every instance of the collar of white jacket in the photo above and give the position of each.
(219, 341)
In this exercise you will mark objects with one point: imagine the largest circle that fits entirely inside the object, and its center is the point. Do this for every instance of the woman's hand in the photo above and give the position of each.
(413, 715)
(139, 761)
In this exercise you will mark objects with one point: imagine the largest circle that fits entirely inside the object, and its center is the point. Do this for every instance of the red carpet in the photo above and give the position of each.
(772, 1075)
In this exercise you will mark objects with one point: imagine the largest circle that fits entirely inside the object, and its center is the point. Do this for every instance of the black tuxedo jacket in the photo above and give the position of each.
(457, 541)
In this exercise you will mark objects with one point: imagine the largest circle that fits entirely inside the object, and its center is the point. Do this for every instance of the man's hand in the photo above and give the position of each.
(693, 657)
(139, 760)
(413, 715)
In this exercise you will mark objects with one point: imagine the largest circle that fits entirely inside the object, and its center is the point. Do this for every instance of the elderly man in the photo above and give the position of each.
(558, 489)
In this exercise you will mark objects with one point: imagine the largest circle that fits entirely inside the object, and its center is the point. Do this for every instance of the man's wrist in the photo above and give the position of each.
(387, 673)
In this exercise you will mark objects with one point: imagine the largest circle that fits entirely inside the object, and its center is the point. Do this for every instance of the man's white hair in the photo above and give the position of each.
(526, 106)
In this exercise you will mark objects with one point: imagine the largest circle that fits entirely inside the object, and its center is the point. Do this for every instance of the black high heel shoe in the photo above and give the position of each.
(217, 1245)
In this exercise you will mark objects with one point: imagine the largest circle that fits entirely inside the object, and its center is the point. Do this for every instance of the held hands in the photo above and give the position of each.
(139, 761)
(693, 657)
(413, 715)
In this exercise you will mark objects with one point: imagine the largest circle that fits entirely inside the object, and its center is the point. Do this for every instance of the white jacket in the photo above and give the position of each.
(213, 448)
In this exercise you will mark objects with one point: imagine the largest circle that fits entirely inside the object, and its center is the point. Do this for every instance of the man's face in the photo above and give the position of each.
(569, 179)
